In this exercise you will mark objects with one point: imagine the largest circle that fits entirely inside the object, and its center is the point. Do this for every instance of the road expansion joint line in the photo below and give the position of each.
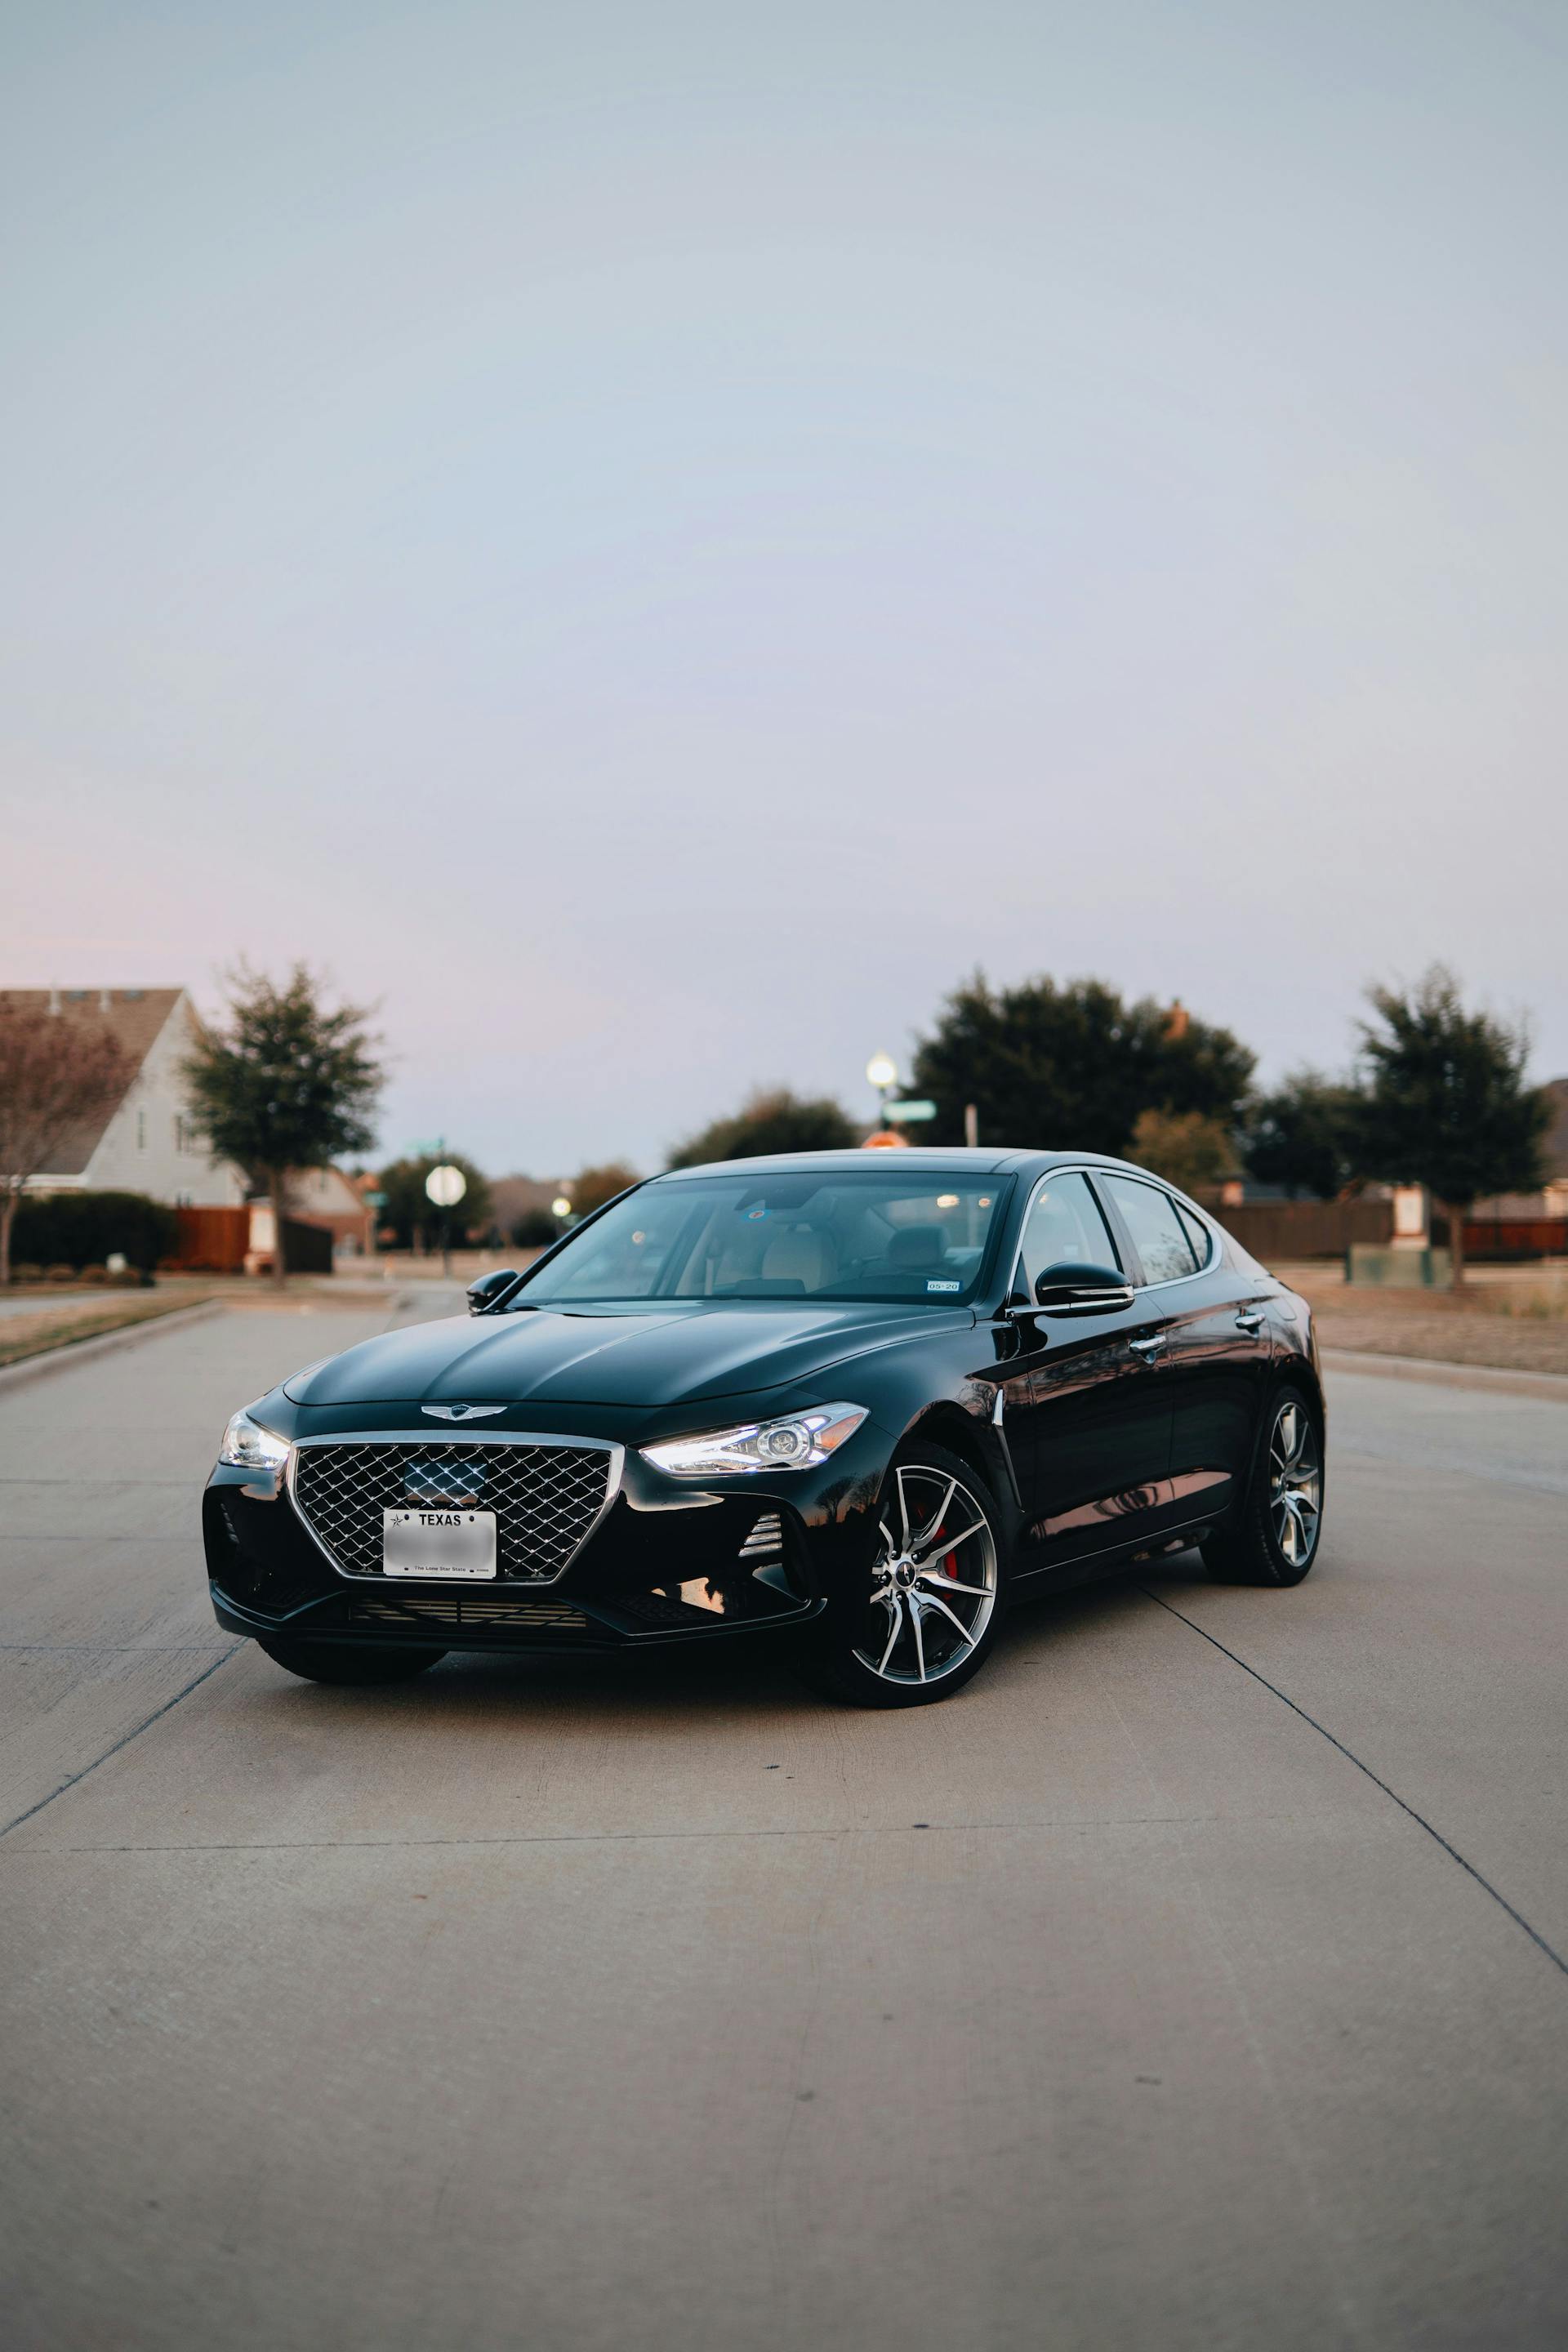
(134, 1733)
(120, 1649)
(1539, 1940)
(833, 1833)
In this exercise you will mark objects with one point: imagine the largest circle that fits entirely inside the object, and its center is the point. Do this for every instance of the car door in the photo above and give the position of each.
(1216, 1343)
(1088, 1423)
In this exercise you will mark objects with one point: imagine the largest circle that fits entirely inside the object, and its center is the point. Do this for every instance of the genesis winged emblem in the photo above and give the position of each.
(462, 1411)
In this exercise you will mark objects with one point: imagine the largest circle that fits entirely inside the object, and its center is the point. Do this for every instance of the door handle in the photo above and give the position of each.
(1148, 1349)
(1250, 1320)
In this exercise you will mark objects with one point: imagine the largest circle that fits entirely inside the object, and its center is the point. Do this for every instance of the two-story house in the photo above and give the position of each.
(148, 1142)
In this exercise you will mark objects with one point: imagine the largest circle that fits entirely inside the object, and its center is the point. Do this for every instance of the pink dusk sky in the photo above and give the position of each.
(651, 541)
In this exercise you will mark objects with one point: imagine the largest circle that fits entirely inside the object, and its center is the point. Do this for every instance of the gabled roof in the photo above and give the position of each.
(135, 1017)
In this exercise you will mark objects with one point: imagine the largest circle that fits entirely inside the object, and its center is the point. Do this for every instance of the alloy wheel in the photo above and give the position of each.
(1295, 1482)
(934, 1580)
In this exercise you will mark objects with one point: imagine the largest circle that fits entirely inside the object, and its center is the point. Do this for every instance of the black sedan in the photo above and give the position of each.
(867, 1399)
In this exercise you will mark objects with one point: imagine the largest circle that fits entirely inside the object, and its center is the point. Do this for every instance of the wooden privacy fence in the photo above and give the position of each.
(1502, 1238)
(215, 1241)
(211, 1241)
(1275, 1231)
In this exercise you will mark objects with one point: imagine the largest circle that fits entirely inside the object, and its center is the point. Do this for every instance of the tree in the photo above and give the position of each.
(57, 1072)
(284, 1083)
(773, 1119)
(409, 1210)
(1187, 1149)
(1303, 1136)
(1446, 1102)
(591, 1187)
(1049, 1066)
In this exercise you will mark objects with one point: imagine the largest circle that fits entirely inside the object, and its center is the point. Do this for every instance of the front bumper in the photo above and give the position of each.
(668, 1562)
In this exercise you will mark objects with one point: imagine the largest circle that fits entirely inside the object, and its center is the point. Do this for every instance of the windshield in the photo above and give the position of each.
(842, 1235)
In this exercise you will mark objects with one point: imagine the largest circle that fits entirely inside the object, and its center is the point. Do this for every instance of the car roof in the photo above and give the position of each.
(983, 1160)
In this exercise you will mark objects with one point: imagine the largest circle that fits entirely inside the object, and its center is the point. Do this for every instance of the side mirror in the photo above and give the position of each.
(484, 1293)
(1071, 1287)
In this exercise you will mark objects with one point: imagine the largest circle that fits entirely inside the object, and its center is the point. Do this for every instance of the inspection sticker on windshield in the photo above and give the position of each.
(945, 1285)
(438, 1543)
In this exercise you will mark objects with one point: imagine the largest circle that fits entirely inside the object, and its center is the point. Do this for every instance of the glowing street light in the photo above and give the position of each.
(445, 1185)
(883, 1072)
(561, 1207)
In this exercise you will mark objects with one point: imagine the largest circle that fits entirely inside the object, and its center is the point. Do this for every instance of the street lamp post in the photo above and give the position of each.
(445, 1186)
(882, 1072)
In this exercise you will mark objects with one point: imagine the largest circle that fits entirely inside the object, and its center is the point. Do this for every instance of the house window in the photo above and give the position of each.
(140, 1131)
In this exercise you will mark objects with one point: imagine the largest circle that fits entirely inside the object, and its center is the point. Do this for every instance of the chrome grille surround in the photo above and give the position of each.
(549, 1494)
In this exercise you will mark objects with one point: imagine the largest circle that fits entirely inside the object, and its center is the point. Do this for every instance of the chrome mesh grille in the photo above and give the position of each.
(545, 1497)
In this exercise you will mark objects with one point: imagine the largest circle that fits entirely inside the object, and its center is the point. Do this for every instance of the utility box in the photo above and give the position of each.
(1397, 1268)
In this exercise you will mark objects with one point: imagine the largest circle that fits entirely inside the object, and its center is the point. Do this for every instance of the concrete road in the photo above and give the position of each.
(1197, 1978)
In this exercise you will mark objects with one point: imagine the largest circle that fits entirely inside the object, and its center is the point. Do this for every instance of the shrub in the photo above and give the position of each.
(535, 1229)
(77, 1229)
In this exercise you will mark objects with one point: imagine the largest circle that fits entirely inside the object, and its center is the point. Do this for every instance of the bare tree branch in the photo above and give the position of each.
(56, 1074)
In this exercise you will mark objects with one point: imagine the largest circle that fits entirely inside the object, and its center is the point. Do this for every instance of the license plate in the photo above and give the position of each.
(438, 1543)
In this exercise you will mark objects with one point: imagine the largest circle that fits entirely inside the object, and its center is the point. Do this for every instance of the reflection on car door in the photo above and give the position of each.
(1217, 1343)
(1088, 1420)
(1218, 1350)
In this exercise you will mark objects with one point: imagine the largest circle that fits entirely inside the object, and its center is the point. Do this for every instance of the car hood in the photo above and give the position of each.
(672, 1355)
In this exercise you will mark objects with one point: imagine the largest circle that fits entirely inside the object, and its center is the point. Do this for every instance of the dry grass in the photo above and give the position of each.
(22, 1336)
(1518, 1325)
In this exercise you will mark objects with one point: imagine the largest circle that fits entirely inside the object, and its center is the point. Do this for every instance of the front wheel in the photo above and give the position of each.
(929, 1611)
(1273, 1538)
(360, 1663)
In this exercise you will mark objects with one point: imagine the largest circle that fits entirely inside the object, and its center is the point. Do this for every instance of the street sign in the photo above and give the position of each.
(375, 1200)
(899, 1110)
(445, 1185)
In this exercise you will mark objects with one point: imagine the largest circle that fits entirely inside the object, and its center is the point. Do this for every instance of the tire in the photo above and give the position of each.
(1274, 1534)
(357, 1664)
(897, 1640)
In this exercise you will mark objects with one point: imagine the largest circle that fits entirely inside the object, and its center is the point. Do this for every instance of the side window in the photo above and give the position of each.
(1158, 1232)
(1197, 1233)
(1064, 1223)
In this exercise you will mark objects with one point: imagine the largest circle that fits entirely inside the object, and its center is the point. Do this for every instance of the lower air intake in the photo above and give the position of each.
(450, 1613)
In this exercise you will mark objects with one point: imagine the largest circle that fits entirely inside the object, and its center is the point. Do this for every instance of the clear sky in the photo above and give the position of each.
(653, 538)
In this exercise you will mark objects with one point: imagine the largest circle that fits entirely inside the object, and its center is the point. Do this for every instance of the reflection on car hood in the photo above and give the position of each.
(667, 1355)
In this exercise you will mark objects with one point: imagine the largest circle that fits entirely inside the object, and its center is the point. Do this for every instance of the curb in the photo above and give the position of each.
(59, 1358)
(1501, 1379)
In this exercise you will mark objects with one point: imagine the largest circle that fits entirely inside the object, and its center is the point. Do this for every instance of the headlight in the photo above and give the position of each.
(248, 1446)
(799, 1442)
